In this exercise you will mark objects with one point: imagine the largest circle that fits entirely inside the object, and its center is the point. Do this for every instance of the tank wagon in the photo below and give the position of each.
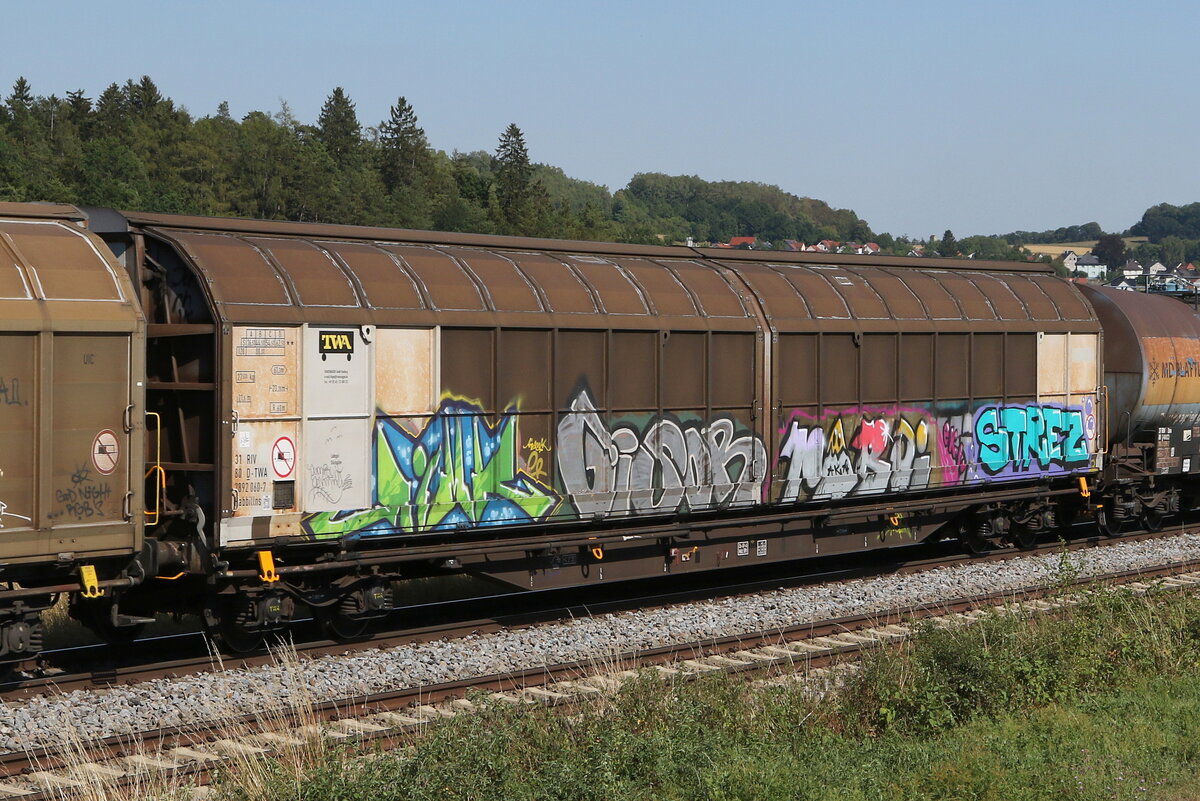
(304, 414)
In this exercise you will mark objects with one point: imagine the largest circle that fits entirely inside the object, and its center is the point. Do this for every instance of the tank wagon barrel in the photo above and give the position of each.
(1152, 391)
(318, 411)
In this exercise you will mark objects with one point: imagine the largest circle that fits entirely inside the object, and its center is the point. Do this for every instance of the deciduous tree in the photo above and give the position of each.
(1110, 250)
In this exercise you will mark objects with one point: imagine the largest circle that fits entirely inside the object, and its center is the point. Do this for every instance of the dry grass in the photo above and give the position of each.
(286, 713)
(83, 775)
(298, 744)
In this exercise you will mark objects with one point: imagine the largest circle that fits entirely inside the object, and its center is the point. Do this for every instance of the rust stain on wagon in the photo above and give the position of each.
(1173, 370)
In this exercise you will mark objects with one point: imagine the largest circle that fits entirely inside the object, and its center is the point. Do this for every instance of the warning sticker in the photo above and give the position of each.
(283, 457)
(106, 451)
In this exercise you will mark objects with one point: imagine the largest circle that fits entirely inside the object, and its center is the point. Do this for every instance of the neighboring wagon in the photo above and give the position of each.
(72, 342)
(1152, 383)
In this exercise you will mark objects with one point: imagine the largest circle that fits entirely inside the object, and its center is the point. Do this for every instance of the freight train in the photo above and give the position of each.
(241, 419)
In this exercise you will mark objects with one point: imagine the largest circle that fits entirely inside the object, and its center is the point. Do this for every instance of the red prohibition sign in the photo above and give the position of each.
(283, 457)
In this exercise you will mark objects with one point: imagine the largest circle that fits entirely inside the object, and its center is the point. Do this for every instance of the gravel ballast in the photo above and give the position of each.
(91, 714)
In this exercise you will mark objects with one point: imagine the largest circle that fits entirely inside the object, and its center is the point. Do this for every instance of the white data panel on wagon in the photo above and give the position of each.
(264, 372)
(264, 468)
(337, 370)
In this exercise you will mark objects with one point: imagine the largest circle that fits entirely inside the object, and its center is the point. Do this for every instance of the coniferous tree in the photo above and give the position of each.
(143, 96)
(79, 109)
(404, 148)
(338, 128)
(513, 172)
(949, 245)
(111, 107)
(23, 126)
(21, 98)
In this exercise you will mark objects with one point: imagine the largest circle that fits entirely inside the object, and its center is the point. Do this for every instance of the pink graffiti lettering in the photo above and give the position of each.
(954, 455)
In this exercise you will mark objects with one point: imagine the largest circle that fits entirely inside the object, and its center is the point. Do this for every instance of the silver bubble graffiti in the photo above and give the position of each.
(821, 465)
(656, 469)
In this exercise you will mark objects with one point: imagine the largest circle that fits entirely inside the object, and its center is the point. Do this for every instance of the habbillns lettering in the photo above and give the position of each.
(336, 342)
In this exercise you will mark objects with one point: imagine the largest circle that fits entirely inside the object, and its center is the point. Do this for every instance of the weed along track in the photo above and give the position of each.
(293, 723)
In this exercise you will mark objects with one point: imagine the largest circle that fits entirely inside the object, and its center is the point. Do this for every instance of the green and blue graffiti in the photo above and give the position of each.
(458, 470)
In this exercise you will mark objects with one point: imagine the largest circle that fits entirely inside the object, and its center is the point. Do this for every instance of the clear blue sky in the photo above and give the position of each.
(981, 117)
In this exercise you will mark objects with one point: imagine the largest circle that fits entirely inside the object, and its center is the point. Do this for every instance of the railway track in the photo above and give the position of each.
(76, 668)
(392, 717)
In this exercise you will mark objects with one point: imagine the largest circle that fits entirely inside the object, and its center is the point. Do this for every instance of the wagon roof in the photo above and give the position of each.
(55, 275)
(270, 271)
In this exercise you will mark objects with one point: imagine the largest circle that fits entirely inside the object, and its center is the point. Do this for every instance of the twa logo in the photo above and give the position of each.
(336, 342)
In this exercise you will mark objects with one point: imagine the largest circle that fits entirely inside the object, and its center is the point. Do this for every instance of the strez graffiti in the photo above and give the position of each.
(458, 469)
(1017, 440)
(666, 465)
(899, 450)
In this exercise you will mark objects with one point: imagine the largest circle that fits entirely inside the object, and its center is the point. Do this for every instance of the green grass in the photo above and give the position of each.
(1102, 704)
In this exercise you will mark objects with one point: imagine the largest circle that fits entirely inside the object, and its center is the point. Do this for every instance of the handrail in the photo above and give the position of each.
(1104, 392)
(160, 482)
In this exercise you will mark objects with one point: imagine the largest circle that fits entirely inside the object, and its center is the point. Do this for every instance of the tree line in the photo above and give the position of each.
(1172, 237)
(1070, 233)
(134, 148)
(1173, 234)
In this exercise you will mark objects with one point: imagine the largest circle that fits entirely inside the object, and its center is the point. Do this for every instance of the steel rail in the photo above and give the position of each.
(63, 676)
(412, 708)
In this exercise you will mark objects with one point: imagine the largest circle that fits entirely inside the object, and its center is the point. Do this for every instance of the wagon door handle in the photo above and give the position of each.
(127, 506)
(127, 421)
(234, 418)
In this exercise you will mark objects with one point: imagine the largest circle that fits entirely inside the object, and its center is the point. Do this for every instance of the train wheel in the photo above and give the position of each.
(973, 541)
(1023, 537)
(336, 625)
(1106, 522)
(350, 618)
(1152, 519)
(231, 626)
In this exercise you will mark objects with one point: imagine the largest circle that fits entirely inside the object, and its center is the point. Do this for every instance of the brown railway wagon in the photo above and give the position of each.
(73, 349)
(341, 406)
